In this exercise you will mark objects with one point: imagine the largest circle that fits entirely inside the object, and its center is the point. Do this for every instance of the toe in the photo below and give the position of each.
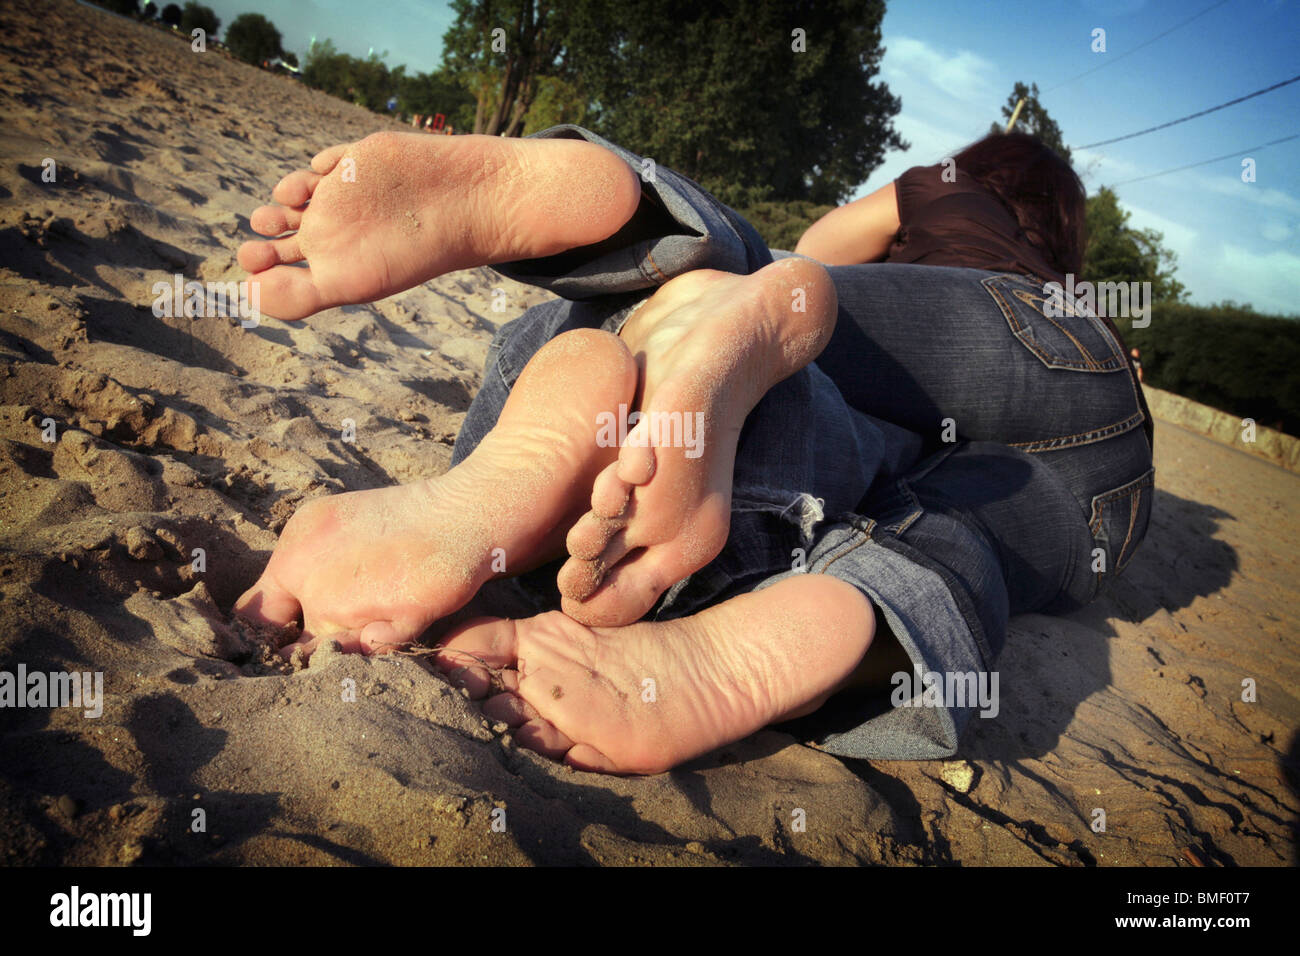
(586, 757)
(288, 292)
(543, 737)
(268, 603)
(510, 709)
(275, 220)
(258, 256)
(327, 159)
(470, 674)
(578, 580)
(609, 493)
(628, 590)
(296, 188)
(591, 535)
(381, 637)
(636, 459)
(491, 641)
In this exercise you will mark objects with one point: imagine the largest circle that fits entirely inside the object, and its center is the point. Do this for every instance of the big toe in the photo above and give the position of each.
(287, 292)
(628, 591)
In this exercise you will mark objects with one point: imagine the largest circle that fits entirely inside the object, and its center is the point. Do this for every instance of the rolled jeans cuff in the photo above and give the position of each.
(931, 618)
(678, 227)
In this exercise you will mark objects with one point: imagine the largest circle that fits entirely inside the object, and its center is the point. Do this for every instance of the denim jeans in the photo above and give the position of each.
(955, 454)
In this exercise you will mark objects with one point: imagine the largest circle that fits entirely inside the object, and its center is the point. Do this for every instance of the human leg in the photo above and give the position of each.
(961, 354)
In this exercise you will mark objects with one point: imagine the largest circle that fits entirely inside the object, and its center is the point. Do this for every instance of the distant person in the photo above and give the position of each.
(1137, 361)
(770, 533)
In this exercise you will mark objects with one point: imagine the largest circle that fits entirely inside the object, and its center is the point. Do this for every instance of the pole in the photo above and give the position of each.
(1015, 114)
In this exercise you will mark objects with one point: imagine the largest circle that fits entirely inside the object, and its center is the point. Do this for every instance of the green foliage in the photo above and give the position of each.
(1226, 356)
(171, 15)
(724, 91)
(1033, 119)
(429, 93)
(557, 102)
(253, 38)
(148, 10)
(782, 224)
(502, 50)
(727, 92)
(195, 16)
(370, 83)
(365, 82)
(1116, 252)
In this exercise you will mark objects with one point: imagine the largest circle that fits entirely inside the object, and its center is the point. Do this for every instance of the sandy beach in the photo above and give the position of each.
(174, 434)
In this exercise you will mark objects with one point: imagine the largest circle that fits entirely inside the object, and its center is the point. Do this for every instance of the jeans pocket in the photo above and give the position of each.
(1119, 520)
(1053, 327)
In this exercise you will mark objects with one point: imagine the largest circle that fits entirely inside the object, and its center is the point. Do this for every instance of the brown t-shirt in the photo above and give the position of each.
(961, 223)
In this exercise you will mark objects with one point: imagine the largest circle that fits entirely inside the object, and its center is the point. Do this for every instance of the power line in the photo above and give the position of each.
(1206, 162)
(1184, 119)
(1109, 59)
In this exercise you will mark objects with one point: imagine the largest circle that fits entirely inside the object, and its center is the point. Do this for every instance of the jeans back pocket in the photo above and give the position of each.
(1053, 327)
(1119, 521)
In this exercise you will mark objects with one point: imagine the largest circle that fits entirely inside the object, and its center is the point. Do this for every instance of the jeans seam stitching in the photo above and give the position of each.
(1112, 364)
(1096, 434)
(1120, 563)
(654, 265)
(852, 546)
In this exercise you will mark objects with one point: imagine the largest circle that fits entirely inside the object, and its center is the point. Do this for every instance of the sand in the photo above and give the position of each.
(181, 434)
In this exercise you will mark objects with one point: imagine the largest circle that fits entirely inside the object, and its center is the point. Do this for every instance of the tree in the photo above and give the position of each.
(756, 99)
(437, 92)
(1033, 119)
(365, 82)
(171, 15)
(500, 49)
(195, 16)
(149, 10)
(253, 38)
(1116, 252)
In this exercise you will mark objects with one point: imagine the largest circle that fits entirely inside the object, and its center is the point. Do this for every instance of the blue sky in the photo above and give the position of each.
(954, 62)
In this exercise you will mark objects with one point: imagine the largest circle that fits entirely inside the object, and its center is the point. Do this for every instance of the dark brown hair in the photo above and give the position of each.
(1039, 188)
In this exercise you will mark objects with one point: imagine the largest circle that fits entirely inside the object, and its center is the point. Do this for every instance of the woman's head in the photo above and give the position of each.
(1039, 188)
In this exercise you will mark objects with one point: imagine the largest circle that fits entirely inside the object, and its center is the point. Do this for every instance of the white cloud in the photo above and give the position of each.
(1176, 235)
(962, 76)
(1268, 281)
(1248, 192)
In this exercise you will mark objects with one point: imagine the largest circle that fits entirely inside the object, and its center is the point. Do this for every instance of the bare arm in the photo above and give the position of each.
(861, 231)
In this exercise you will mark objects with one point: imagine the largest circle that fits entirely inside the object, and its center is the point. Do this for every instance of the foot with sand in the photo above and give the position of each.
(373, 569)
(709, 345)
(644, 698)
(382, 215)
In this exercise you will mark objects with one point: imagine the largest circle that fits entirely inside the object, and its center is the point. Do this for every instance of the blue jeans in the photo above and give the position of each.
(955, 454)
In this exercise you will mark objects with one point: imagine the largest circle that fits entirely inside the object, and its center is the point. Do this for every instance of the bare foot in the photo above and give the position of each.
(373, 569)
(709, 345)
(644, 698)
(397, 209)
